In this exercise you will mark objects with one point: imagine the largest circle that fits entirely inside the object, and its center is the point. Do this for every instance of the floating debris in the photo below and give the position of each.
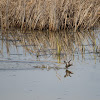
(49, 67)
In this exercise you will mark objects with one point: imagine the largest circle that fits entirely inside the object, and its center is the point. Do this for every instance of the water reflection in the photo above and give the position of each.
(68, 73)
(58, 45)
(50, 48)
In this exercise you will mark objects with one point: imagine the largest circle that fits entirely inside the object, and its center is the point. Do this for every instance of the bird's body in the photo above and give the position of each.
(68, 64)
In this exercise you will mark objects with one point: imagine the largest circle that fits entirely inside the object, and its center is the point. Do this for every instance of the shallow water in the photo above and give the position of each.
(21, 79)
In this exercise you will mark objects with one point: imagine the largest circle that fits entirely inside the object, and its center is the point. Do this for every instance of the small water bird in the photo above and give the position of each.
(68, 64)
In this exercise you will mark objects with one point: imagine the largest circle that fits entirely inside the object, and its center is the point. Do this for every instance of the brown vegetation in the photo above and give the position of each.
(49, 14)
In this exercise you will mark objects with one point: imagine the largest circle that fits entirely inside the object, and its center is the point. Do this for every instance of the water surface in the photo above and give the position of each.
(28, 61)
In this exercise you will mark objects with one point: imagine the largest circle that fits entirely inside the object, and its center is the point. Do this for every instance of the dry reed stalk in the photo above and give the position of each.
(1, 21)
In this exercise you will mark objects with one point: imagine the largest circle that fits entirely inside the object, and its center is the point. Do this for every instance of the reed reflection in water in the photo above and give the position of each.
(58, 45)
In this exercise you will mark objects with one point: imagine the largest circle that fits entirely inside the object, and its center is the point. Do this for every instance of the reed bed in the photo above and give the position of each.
(49, 14)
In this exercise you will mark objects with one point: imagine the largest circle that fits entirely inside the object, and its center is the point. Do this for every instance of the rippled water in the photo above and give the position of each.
(32, 66)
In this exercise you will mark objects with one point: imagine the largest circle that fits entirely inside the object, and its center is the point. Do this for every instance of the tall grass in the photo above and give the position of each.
(49, 14)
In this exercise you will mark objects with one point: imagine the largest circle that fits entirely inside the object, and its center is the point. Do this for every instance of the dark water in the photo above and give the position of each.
(27, 66)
